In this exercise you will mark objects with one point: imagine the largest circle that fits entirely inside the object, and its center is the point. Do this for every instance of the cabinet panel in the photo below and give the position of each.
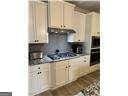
(74, 69)
(68, 15)
(55, 14)
(79, 27)
(39, 78)
(32, 32)
(43, 80)
(95, 24)
(60, 76)
(61, 72)
(73, 73)
(33, 83)
(38, 22)
(41, 22)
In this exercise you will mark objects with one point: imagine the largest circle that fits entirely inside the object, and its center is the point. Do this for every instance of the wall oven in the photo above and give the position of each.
(95, 42)
(95, 56)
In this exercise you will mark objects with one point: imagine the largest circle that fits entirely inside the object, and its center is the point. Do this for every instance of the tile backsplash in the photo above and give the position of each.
(56, 41)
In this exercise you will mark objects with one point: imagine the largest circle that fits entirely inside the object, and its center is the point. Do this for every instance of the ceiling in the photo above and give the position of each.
(89, 5)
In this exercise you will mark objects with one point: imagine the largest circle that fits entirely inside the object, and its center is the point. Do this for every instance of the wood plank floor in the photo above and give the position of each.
(73, 87)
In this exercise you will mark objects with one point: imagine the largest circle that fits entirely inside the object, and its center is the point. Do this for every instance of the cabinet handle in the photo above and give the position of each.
(78, 40)
(84, 60)
(38, 73)
(35, 40)
(38, 67)
(98, 32)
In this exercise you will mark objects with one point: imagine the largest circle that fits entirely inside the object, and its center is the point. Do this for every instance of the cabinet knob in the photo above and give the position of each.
(69, 66)
(61, 26)
(78, 40)
(38, 73)
(37, 40)
(66, 67)
(84, 60)
(38, 67)
(64, 26)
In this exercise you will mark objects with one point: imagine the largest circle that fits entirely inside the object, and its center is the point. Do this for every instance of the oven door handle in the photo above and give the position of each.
(94, 52)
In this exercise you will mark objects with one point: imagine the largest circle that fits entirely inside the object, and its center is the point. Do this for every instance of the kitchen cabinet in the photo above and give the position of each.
(60, 14)
(74, 69)
(84, 65)
(61, 73)
(38, 22)
(79, 67)
(79, 27)
(93, 23)
(39, 78)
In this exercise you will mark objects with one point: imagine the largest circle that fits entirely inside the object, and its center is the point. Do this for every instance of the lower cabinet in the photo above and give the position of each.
(39, 80)
(45, 76)
(79, 67)
(61, 72)
(69, 70)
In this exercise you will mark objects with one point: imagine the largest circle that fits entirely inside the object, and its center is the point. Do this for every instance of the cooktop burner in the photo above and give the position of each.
(61, 55)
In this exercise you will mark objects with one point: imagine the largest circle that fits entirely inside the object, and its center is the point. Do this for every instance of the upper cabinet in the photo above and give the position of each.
(93, 23)
(38, 22)
(79, 27)
(60, 14)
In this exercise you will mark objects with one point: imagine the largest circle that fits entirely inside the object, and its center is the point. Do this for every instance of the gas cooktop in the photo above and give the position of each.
(61, 55)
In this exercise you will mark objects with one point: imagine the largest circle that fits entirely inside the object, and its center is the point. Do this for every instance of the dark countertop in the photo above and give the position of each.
(48, 60)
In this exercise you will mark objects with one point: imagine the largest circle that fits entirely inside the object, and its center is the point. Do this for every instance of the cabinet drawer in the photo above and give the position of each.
(61, 64)
(39, 67)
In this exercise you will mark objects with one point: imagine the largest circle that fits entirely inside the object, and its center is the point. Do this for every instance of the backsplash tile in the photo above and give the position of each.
(56, 41)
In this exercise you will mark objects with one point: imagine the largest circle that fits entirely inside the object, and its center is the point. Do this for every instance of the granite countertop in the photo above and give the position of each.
(48, 60)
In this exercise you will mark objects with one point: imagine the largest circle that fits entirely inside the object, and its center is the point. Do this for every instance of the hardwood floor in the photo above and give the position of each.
(73, 87)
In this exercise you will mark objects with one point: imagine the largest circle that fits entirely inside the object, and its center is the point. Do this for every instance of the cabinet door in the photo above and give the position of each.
(82, 27)
(74, 69)
(95, 29)
(98, 24)
(61, 73)
(32, 31)
(56, 14)
(41, 22)
(73, 73)
(43, 80)
(68, 15)
(79, 25)
(33, 83)
(83, 66)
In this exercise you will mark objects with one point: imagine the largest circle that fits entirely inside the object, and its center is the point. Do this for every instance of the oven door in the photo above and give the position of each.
(95, 42)
(95, 57)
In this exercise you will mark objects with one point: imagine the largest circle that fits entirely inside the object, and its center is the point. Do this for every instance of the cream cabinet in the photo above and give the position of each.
(84, 65)
(79, 27)
(61, 72)
(94, 23)
(60, 14)
(38, 22)
(39, 78)
(74, 69)
(78, 67)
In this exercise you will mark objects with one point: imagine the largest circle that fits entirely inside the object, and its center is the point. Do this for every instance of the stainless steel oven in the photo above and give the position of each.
(95, 42)
(95, 56)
